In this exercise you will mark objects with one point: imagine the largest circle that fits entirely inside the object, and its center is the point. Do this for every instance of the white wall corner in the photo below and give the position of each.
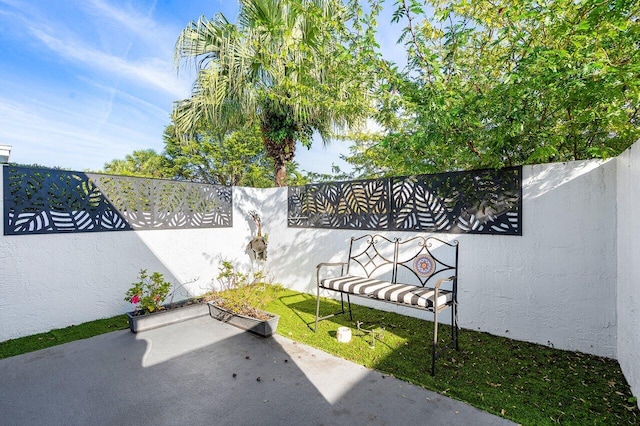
(628, 267)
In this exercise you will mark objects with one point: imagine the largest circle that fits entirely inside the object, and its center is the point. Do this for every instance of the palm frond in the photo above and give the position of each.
(285, 60)
(203, 39)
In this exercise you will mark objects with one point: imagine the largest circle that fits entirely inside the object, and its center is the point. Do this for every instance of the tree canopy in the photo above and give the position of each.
(235, 158)
(500, 83)
(219, 158)
(141, 163)
(293, 67)
(487, 85)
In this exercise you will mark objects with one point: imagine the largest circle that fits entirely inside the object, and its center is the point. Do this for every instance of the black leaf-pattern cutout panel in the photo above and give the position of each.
(40, 201)
(477, 202)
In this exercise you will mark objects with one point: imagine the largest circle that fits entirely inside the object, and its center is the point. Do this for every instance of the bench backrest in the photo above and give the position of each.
(418, 260)
(424, 260)
(372, 256)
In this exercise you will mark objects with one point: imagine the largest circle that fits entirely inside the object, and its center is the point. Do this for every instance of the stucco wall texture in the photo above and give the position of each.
(570, 281)
(628, 250)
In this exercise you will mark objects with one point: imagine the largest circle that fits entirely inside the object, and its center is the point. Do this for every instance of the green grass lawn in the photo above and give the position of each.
(527, 383)
(63, 335)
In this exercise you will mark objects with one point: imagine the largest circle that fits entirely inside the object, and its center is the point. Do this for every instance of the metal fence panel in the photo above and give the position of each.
(43, 201)
(477, 202)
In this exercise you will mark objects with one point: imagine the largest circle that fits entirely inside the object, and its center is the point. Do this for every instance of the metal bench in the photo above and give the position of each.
(408, 272)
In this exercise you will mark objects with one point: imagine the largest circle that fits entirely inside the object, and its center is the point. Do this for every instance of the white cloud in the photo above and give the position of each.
(42, 131)
(150, 71)
(106, 29)
(136, 101)
(155, 35)
(99, 80)
(14, 3)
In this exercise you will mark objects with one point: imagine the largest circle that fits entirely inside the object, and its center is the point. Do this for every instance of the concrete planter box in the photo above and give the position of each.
(259, 327)
(170, 315)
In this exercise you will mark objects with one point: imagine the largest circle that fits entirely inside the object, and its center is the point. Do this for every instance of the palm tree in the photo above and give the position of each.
(284, 65)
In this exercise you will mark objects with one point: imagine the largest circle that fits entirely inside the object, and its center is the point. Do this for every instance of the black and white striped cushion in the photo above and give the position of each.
(384, 290)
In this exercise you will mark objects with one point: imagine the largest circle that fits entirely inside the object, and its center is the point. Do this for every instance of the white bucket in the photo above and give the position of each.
(344, 334)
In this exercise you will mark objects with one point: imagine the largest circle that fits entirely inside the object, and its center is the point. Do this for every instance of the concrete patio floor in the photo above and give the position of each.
(204, 372)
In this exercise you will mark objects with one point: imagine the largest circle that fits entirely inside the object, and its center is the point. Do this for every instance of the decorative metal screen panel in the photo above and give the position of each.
(478, 202)
(359, 204)
(42, 201)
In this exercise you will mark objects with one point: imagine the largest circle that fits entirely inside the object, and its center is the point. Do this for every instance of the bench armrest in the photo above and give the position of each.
(319, 267)
(435, 291)
(444, 280)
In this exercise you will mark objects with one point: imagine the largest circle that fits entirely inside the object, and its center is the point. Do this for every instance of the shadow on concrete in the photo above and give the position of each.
(207, 372)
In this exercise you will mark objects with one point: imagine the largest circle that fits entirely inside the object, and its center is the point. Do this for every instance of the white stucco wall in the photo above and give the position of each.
(53, 281)
(554, 285)
(628, 301)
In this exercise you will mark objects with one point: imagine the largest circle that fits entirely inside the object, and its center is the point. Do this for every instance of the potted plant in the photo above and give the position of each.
(240, 301)
(148, 294)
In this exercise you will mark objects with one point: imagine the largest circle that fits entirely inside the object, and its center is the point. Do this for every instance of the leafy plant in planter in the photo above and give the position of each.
(241, 301)
(148, 294)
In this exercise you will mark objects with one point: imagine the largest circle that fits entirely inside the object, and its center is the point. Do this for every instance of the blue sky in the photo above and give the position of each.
(85, 81)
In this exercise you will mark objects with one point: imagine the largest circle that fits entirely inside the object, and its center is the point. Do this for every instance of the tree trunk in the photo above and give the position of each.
(281, 173)
(282, 154)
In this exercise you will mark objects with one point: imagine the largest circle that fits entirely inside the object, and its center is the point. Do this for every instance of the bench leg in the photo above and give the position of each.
(454, 324)
(342, 309)
(434, 350)
(317, 308)
(348, 304)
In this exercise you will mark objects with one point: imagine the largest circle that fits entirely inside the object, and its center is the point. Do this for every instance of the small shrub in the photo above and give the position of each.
(148, 294)
(242, 296)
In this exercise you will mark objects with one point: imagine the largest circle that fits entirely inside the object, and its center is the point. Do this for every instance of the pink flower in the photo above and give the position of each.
(135, 299)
